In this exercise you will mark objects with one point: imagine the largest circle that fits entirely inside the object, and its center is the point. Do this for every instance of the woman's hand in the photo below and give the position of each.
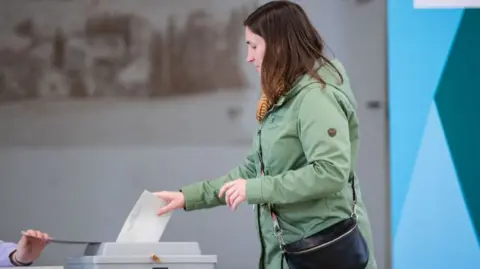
(235, 192)
(174, 199)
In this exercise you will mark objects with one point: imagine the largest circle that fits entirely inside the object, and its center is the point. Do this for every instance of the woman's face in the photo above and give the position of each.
(256, 48)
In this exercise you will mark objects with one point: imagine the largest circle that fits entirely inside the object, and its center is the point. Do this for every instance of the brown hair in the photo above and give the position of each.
(293, 46)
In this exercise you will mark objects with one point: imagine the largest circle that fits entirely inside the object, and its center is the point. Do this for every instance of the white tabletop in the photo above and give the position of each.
(40, 267)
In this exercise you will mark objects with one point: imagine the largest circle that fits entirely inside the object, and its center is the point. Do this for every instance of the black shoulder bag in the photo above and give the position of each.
(339, 246)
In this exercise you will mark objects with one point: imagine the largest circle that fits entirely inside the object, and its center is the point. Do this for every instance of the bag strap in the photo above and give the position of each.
(277, 230)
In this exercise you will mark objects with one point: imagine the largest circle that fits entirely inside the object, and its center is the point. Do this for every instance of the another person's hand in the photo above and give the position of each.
(30, 246)
(235, 192)
(174, 199)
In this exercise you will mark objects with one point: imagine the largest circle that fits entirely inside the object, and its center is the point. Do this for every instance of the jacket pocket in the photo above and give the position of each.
(302, 219)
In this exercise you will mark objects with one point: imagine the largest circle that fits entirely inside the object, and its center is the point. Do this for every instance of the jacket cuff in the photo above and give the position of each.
(254, 191)
(15, 262)
(193, 197)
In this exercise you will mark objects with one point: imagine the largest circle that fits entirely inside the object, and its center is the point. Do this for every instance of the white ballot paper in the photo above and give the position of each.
(143, 224)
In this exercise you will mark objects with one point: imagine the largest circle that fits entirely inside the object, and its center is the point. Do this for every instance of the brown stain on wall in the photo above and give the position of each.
(122, 55)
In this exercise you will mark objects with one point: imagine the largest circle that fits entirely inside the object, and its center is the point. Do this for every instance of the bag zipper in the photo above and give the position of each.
(326, 243)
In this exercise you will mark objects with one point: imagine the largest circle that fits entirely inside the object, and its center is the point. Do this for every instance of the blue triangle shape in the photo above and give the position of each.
(419, 41)
(435, 230)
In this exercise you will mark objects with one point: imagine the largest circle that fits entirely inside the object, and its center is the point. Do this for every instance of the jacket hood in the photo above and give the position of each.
(330, 76)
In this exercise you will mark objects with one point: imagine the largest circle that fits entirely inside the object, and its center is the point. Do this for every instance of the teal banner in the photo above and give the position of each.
(434, 121)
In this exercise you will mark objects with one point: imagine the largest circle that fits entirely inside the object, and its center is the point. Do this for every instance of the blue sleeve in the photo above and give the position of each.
(5, 250)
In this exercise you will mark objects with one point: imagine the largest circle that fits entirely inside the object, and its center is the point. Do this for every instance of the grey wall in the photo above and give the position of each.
(75, 168)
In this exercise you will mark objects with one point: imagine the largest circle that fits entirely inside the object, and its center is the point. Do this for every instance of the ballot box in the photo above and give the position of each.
(139, 245)
(156, 255)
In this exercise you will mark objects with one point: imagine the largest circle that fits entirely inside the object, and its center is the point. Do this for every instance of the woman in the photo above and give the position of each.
(301, 166)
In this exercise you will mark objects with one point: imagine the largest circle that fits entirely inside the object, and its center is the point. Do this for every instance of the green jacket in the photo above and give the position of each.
(309, 143)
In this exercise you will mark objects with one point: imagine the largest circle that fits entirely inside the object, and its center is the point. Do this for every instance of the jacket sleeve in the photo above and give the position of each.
(204, 194)
(323, 131)
(5, 250)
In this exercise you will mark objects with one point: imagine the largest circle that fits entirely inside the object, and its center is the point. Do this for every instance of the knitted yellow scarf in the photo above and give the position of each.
(262, 107)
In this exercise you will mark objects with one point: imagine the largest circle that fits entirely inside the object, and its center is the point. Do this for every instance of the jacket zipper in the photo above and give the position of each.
(259, 134)
(262, 169)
